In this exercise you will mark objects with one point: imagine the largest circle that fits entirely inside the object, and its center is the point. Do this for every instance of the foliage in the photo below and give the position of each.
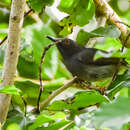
(75, 108)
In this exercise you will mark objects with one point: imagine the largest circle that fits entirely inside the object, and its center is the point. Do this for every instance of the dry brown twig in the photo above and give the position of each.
(40, 76)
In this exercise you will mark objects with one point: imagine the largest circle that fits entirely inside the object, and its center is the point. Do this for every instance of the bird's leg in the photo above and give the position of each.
(113, 77)
(86, 85)
(82, 84)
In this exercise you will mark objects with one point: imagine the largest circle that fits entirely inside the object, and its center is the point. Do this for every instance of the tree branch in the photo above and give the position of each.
(12, 52)
(102, 8)
(55, 93)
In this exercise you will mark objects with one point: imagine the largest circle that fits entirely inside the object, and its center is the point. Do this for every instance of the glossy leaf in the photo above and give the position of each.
(83, 37)
(113, 115)
(38, 5)
(42, 118)
(10, 90)
(68, 6)
(80, 100)
(109, 31)
(13, 127)
(56, 125)
(75, 7)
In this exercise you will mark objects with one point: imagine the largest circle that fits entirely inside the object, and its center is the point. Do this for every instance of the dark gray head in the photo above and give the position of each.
(67, 47)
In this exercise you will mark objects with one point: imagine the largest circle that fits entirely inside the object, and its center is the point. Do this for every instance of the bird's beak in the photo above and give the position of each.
(52, 38)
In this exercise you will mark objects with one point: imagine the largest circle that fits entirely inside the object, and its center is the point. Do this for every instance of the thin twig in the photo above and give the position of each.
(114, 76)
(28, 12)
(40, 75)
(58, 91)
(5, 38)
(123, 23)
(123, 45)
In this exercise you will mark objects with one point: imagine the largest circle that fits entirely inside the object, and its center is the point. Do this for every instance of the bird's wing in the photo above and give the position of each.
(87, 57)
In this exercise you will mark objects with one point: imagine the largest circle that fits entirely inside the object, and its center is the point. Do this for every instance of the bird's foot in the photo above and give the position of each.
(102, 90)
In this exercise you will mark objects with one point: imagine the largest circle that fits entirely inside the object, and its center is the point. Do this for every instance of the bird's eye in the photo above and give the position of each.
(67, 42)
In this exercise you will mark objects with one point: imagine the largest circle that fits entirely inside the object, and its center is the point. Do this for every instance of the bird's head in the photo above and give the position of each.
(67, 47)
(62, 42)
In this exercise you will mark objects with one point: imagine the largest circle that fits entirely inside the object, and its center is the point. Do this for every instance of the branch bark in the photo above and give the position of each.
(102, 8)
(12, 52)
(55, 93)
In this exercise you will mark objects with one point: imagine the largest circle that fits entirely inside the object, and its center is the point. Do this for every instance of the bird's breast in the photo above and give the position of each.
(89, 72)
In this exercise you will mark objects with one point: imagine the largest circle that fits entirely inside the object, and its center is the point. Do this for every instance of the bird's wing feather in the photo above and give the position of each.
(87, 57)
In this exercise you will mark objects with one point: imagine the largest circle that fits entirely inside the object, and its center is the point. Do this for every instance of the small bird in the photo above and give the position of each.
(80, 60)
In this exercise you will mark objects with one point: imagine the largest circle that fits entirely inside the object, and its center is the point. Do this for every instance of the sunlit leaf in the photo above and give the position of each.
(83, 37)
(10, 90)
(38, 5)
(75, 7)
(42, 118)
(79, 100)
(13, 127)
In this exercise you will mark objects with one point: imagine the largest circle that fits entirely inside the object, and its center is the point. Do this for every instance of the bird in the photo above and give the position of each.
(80, 61)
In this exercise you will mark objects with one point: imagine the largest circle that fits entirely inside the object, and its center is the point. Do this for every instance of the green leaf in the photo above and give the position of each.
(87, 8)
(38, 5)
(10, 90)
(111, 44)
(31, 90)
(27, 68)
(65, 31)
(113, 115)
(75, 7)
(58, 115)
(15, 116)
(55, 125)
(36, 35)
(13, 126)
(83, 37)
(109, 31)
(84, 99)
(59, 105)
(79, 100)
(68, 6)
(42, 118)
(120, 82)
(125, 54)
